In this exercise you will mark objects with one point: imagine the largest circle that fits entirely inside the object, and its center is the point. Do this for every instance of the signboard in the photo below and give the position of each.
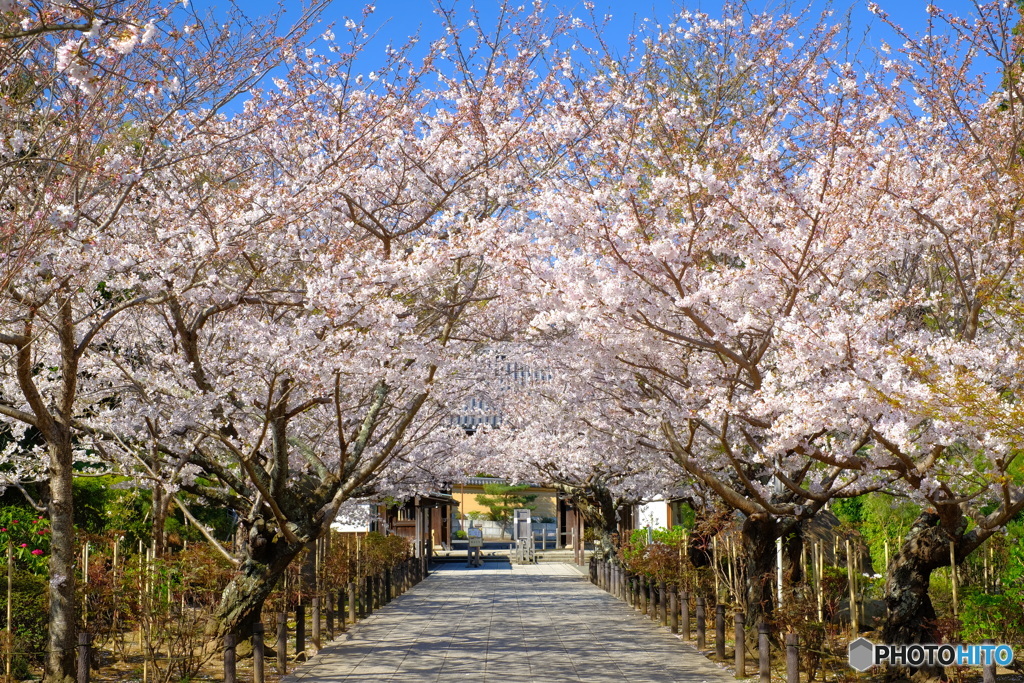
(476, 538)
(521, 528)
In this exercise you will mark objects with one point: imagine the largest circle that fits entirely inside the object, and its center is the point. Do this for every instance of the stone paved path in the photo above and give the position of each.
(542, 623)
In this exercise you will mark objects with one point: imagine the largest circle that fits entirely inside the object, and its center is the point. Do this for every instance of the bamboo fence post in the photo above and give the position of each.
(984, 570)
(952, 577)
(85, 584)
(852, 579)
(821, 574)
(716, 565)
(733, 571)
(10, 605)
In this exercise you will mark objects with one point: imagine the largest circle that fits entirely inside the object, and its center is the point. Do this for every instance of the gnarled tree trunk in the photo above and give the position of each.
(266, 557)
(758, 565)
(910, 616)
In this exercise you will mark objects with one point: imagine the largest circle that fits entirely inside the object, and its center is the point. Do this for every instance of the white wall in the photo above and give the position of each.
(653, 513)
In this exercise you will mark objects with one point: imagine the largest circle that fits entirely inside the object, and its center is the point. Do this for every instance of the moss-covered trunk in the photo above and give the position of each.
(266, 557)
(910, 615)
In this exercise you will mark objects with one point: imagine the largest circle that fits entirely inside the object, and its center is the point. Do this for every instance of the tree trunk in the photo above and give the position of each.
(757, 568)
(910, 616)
(267, 556)
(598, 508)
(161, 508)
(62, 634)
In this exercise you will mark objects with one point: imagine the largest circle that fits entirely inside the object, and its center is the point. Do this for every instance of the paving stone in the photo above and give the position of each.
(540, 623)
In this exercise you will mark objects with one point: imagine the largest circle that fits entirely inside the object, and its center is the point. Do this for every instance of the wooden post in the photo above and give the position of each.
(684, 614)
(701, 625)
(988, 670)
(351, 602)
(341, 609)
(673, 610)
(330, 615)
(720, 631)
(763, 655)
(792, 659)
(316, 622)
(367, 596)
(663, 603)
(258, 654)
(229, 658)
(300, 632)
(740, 648)
(282, 643)
(83, 657)
(643, 595)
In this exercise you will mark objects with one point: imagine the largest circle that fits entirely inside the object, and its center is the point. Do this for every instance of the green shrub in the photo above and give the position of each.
(29, 609)
(997, 616)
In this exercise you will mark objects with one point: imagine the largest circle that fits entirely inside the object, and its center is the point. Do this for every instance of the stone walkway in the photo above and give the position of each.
(541, 623)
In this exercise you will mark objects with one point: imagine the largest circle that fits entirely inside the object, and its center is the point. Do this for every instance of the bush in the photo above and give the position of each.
(29, 608)
(997, 616)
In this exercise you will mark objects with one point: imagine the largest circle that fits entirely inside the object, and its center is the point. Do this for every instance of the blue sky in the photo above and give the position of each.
(406, 17)
(395, 20)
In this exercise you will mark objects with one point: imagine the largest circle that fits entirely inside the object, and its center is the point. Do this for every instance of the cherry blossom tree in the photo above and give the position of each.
(720, 238)
(329, 279)
(946, 358)
(96, 99)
